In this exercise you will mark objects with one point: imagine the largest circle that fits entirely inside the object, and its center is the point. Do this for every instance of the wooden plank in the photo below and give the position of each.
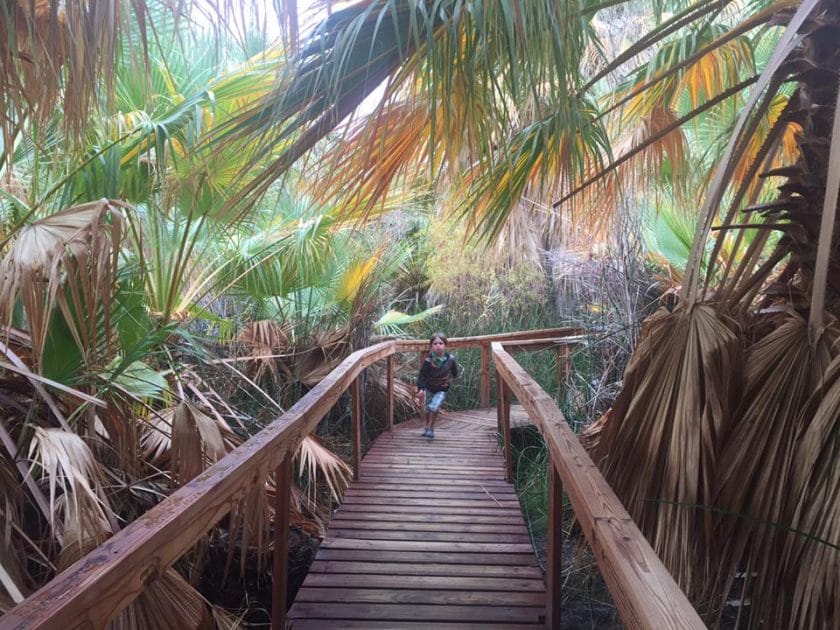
(431, 557)
(425, 493)
(386, 534)
(413, 612)
(438, 481)
(423, 516)
(321, 565)
(349, 624)
(512, 527)
(501, 487)
(430, 546)
(420, 509)
(427, 596)
(642, 589)
(432, 502)
(451, 583)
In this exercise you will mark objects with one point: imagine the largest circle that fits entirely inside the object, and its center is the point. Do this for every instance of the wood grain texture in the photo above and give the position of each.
(431, 534)
(642, 589)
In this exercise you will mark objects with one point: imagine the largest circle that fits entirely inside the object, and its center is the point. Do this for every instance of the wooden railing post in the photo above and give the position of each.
(356, 424)
(280, 568)
(554, 575)
(390, 376)
(563, 352)
(485, 375)
(503, 413)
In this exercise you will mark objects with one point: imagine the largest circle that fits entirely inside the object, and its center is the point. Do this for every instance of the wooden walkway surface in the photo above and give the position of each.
(432, 536)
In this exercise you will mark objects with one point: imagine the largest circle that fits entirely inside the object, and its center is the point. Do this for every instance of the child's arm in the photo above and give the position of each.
(421, 379)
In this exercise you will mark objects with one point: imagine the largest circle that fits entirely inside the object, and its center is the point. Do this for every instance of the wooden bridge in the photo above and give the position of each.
(430, 533)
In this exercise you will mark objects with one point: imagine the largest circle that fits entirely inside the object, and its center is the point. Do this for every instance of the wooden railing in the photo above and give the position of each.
(644, 592)
(93, 591)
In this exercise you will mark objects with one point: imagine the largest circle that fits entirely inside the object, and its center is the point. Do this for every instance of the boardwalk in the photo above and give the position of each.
(432, 536)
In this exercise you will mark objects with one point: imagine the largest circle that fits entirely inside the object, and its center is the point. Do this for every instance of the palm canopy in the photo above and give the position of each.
(502, 98)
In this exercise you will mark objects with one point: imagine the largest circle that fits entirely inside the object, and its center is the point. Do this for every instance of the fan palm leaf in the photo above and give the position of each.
(679, 389)
(76, 247)
(781, 373)
(814, 511)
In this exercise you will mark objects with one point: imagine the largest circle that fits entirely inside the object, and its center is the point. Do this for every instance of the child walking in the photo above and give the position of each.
(436, 373)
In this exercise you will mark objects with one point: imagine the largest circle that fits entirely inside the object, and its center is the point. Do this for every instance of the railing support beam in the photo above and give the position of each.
(356, 424)
(554, 574)
(280, 568)
(485, 375)
(503, 411)
(390, 377)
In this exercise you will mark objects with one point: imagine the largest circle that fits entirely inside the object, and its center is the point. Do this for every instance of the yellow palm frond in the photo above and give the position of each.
(354, 279)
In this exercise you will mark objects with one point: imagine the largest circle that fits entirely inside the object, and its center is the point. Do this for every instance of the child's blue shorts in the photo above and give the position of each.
(434, 401)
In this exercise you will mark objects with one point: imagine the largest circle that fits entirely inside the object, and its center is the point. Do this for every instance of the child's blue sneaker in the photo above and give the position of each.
(426, 432)
(431, 433)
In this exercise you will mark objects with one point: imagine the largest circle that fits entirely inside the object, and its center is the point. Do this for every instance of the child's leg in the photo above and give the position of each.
(434, 407)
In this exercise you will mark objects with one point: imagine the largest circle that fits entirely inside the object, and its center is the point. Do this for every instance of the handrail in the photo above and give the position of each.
(93, 590)
(644, 592)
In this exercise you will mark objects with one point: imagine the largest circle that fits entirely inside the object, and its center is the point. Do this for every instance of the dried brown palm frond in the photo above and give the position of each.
(520, 240)
(326, 351)
(307, 517)
(168, 602)
(782, 371)
(811, 558)
(156, 436)
(65, 463)
(665, 427)
(197, 442)
(317, 463)
(83, 531)
(75, 248)
(265, 338)
(13, 585)
(252, 518)
(377, 384)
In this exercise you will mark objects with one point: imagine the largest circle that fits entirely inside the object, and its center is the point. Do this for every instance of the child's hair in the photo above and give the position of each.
(438, 335)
